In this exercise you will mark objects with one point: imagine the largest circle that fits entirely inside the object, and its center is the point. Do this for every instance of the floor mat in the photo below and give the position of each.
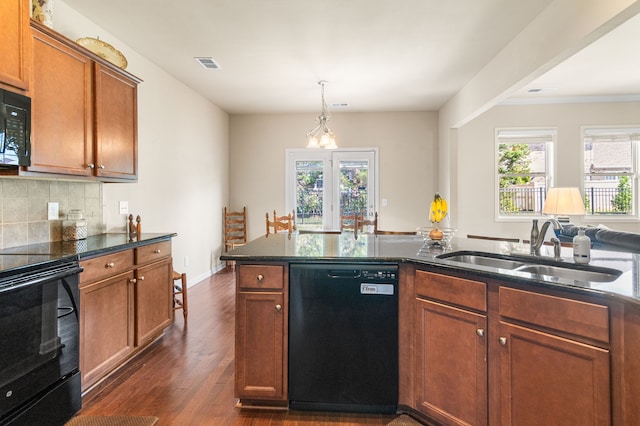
(404, 420)
(112, 421)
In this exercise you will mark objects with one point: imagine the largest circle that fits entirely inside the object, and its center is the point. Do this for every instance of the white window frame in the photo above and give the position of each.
(549, 136)
(625, 131)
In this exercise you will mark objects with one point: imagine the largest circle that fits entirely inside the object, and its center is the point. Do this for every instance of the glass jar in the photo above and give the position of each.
(74, 227)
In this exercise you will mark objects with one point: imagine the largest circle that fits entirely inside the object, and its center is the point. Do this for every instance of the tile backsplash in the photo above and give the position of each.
(23, 207)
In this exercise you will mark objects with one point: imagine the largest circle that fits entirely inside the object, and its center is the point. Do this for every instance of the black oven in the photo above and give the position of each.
(39, 349)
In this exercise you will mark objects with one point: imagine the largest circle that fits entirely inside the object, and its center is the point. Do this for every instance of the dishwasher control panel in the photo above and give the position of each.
(379, 275)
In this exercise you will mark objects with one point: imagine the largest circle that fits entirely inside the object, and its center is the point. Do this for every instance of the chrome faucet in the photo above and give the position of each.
(535, 245)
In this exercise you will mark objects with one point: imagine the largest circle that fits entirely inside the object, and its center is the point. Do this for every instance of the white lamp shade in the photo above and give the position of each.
(563, 201)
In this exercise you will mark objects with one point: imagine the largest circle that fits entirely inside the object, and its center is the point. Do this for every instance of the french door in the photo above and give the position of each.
(321, 185)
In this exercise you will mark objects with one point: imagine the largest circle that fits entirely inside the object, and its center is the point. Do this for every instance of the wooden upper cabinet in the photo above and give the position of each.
(62, 131)
(116, 124)
(85, 112)
(15, 48)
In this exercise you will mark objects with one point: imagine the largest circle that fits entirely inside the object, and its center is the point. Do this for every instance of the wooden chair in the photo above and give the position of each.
(281, 223)
(482, 237)
(350, 222)
(364, 224)
(235, 230)
(180, 293)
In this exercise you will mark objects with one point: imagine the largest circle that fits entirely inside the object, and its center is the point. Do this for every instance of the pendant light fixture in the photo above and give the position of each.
(321, 136)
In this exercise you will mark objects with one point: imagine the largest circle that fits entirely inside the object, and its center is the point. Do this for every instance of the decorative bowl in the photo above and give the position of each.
(447, 235)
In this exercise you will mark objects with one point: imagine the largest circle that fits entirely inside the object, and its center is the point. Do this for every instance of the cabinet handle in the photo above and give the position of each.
(278, 307)
(91, 166)
(156, 251)
(141, 278)
(133, 281)
(503, 341)
(260, 277)
(110, 265)
(480, 332)
(101, 166)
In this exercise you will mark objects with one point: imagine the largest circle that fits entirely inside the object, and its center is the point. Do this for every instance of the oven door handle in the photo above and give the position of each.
(37, 278)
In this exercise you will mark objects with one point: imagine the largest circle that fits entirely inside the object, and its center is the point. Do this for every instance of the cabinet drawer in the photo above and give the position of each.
(454, 290)
(261, 276)
(151, 252)
(106, 266)
(567, 315)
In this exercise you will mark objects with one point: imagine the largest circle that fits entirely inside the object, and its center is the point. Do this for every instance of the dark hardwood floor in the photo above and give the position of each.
(186, 377)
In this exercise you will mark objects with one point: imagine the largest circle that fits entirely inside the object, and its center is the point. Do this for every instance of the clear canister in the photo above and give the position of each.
(74, 227)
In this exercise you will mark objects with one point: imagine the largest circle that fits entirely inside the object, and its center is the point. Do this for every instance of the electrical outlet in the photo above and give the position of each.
(53, 212)
(124, 207)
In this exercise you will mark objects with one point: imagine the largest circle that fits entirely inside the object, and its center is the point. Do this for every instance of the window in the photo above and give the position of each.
(610, 170)
(524, 170)
(318, 180)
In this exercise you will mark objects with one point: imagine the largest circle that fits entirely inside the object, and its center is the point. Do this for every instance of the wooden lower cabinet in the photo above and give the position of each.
(153, 300)
(125, 304)
(451, 349)
(261, 338)
(451, 364)
(491, 353)
(546, 379)
(106, 326)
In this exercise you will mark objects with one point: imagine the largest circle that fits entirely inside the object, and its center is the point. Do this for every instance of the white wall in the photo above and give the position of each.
(406, 142)
(475, 159)
(182, 159)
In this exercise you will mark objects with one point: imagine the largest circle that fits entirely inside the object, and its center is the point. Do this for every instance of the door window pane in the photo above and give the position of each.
(354, 178)
(309, 194)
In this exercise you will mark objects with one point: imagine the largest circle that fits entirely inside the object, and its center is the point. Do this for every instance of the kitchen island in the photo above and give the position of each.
(477, 344)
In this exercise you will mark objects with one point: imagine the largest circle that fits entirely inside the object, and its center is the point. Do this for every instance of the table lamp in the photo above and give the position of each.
(563, 202)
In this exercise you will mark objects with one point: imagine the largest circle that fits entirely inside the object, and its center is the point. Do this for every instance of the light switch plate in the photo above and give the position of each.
(124, 207)
(53, 211)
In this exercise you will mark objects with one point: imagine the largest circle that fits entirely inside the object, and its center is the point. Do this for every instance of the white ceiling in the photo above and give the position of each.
(376, 55)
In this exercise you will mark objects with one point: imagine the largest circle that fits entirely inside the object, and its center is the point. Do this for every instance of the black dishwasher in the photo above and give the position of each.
(343, 337)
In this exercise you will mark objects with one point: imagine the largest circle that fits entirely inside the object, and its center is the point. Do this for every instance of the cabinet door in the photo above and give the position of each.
(451, 364)
(116, 124)
(551, 380)
(154, 298)
(106, 332)
(62, 139)
(14, 48)
(260, 346)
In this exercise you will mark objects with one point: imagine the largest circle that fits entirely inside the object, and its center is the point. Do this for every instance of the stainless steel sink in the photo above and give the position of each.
(484, 259)
(542, 267)
(573, 274)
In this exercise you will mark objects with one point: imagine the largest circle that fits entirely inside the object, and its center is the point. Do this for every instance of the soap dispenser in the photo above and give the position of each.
(581, 247)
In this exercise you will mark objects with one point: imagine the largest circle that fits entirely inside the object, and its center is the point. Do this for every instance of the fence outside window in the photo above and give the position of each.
(518, 201)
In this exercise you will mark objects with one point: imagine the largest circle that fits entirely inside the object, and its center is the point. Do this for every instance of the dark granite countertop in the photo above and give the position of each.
(95, 245)
(400, 248)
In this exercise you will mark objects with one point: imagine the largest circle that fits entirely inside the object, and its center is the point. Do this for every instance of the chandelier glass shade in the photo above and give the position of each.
(321, 136)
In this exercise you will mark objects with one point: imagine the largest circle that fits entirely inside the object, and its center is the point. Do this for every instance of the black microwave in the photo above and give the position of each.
(15, 129)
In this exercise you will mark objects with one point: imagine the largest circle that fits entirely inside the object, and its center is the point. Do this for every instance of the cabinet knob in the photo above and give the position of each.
(156, 251)
(480, 332)
(133, 281)
(260, 277)
(110, 265)
(278, 307)
(91, 166)
(141, 278)
(503, 341)
(101, 166)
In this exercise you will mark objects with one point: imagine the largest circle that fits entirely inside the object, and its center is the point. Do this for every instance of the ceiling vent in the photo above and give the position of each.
(208, 62)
